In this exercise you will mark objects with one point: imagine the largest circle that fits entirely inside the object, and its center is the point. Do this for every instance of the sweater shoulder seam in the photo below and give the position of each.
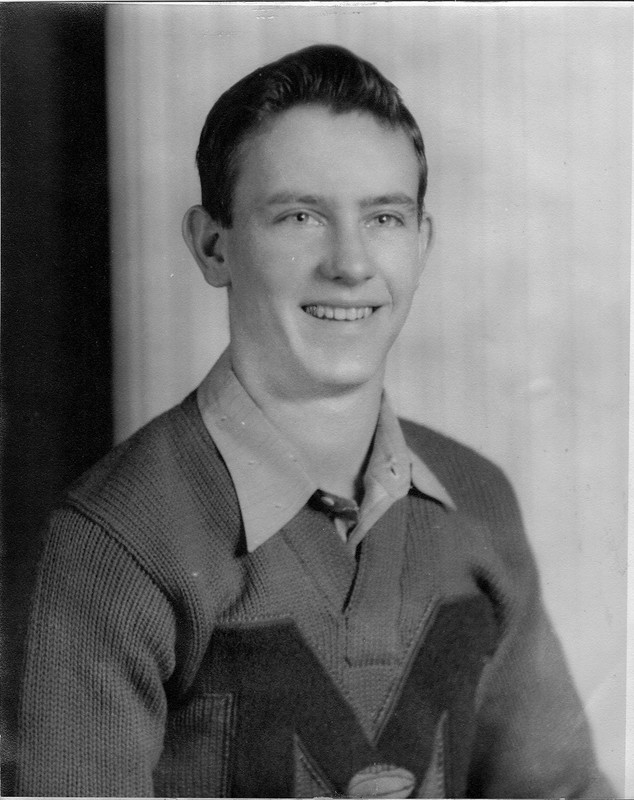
(109, 531)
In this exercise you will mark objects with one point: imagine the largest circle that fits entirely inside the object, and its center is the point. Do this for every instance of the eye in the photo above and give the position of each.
(301, 218)
(386, 220)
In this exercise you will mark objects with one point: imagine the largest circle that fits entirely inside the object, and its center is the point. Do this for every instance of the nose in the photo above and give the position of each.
(348, 259)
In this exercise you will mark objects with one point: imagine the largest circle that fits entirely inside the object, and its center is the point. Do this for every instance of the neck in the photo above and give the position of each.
(333, 432)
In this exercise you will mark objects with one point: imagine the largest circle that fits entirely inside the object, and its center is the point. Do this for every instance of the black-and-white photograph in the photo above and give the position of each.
(315, 369)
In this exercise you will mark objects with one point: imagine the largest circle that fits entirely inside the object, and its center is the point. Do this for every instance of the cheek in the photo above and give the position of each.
(250, 274)
(272, 278)
(403, 275)
(259, 293)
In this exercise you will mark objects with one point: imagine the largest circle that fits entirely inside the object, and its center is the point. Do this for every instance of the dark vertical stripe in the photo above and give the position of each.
(56, 372)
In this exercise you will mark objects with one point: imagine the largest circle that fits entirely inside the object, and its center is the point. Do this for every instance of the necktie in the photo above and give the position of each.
(336, 507)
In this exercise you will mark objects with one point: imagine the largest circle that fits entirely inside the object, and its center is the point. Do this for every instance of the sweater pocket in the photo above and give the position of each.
(196, 751)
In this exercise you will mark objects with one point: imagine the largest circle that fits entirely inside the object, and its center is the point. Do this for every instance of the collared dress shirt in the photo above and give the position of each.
(272, 481)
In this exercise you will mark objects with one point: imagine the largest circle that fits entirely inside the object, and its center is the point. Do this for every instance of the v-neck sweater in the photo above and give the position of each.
(164, 658)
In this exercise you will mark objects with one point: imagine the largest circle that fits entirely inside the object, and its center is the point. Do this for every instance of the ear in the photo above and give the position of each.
(205, 239)
(425, 240)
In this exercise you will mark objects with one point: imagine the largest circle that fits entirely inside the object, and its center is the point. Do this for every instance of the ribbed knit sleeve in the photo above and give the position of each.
(533, 739)
(100, 647)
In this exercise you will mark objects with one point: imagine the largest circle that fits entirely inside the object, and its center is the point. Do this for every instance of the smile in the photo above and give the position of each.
(339, 313)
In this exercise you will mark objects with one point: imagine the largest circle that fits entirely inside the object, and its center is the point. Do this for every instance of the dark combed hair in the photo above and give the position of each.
(324, 75)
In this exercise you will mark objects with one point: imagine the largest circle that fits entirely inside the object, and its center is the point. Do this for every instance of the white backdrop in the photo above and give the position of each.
(518, 339)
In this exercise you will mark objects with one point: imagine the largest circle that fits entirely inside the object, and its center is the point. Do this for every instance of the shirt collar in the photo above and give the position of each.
(270, 478)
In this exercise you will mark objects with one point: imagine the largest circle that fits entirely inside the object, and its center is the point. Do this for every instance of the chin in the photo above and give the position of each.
(343, 376)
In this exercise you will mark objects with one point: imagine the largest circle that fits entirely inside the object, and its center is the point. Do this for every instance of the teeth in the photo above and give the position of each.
(339, 312)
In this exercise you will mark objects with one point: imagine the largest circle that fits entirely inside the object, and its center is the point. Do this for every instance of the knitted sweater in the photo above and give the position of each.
(164, 658)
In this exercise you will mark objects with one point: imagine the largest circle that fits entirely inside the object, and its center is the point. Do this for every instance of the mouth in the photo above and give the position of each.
(340, 313)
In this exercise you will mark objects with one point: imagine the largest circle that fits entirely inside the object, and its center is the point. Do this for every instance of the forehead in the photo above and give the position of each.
(310, 148)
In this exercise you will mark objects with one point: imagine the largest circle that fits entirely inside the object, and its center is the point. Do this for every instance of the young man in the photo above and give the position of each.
(276, 588)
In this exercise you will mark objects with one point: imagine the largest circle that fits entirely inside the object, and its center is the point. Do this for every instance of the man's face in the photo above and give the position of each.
(324, 253)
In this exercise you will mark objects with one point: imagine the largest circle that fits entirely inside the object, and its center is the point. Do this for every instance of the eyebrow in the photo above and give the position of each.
(289, 198)
(397, 199)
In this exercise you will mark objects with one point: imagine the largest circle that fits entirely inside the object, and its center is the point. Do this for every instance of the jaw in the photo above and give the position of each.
(344, 349)
(306, 353)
